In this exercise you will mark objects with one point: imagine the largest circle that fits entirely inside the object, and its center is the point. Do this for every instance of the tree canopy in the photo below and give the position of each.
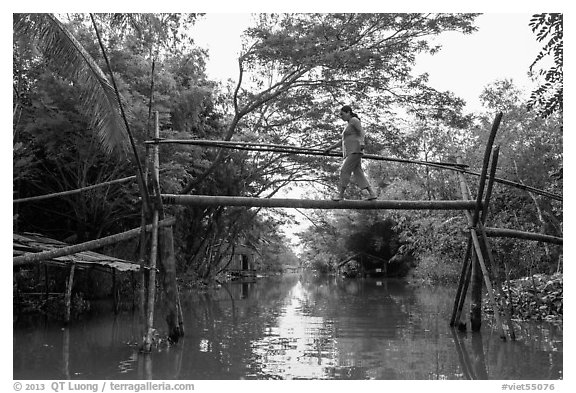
(295, 71)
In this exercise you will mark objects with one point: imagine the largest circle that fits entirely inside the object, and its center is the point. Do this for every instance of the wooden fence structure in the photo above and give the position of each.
(476, 262)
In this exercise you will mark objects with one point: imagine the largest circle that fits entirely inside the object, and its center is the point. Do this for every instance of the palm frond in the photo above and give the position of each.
(98, 100)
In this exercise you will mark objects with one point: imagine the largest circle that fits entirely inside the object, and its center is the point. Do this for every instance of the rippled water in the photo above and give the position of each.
(293, 327)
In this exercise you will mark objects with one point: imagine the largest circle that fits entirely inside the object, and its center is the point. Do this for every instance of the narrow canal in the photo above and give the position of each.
(292, 327)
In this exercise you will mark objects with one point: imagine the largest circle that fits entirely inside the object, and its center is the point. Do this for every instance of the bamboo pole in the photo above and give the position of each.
(463, 283)
(507, 317)
(489, 288)
(476, 306)
(486, 162)
(512, 233)
(465, 363)
(142, 262)
(469, 261)
(90, 245)
(151, 284)
(115, 297)
(210, 200)
(71, 192)
(477, 270)
(68, 295)
(46, 283)
(144, 211)
(317, 152)
(250, 146)
(169, 283)
(156, 170)
(154, 247)
(506, 310)
(140, 177)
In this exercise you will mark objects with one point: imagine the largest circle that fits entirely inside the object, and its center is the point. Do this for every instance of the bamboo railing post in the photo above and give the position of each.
(68, 294)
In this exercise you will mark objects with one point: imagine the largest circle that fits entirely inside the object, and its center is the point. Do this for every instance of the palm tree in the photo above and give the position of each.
(99, 102)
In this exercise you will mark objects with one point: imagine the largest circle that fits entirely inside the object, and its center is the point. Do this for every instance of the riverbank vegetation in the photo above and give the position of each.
(296, 71)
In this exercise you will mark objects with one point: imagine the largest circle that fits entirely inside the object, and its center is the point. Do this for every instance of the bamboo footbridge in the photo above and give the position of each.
(478, 261)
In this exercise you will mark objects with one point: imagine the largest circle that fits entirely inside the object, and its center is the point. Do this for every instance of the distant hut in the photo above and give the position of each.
(241, 259)
(363, 264)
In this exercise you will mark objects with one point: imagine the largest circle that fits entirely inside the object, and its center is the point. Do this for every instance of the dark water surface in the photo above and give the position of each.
(293, 327)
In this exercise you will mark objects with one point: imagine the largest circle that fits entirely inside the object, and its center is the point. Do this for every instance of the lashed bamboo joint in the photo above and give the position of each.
(209, 200)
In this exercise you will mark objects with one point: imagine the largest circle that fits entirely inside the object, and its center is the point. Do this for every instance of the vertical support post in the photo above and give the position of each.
(476, 294)
(486, 162)
(476, 290)
(142, 251)
(170, 284)
(153, 251)
(484, 238)
(133, 282)
(114, 291)
(46, 283)
(143, 274)
(68, 294)
(463, 283)
(479, 272)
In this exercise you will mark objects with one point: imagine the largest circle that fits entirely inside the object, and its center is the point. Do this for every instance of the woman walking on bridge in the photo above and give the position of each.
(352, 151)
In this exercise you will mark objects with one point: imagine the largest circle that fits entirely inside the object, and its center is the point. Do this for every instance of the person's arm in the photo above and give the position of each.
(334, 146)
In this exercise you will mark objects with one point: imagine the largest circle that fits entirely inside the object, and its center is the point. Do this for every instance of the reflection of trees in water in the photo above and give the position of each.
(295, 327)
(487, 357)
(222, 325)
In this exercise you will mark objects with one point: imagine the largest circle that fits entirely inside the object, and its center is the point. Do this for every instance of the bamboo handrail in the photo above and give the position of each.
(210, 200)
(90, 245)
(513, 233)
(250, 146)
(319, 152)
(70, 192)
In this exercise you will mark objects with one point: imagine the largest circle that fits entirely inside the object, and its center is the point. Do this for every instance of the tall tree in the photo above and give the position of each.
(549, 96)
(295, 64)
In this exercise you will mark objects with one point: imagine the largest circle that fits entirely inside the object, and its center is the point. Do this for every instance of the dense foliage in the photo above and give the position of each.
(536, 297)
(549, 96)
(295, 71)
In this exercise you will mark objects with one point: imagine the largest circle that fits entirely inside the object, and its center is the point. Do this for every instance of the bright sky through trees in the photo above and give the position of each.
(503, 47)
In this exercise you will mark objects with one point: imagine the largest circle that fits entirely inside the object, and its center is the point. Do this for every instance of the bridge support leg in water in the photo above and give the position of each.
(172, 303)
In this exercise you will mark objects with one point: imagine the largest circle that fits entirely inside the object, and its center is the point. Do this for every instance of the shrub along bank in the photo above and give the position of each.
(538, 297)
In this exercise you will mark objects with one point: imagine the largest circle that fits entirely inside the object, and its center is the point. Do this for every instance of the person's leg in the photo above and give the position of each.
(360, 179)
(345, 173)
